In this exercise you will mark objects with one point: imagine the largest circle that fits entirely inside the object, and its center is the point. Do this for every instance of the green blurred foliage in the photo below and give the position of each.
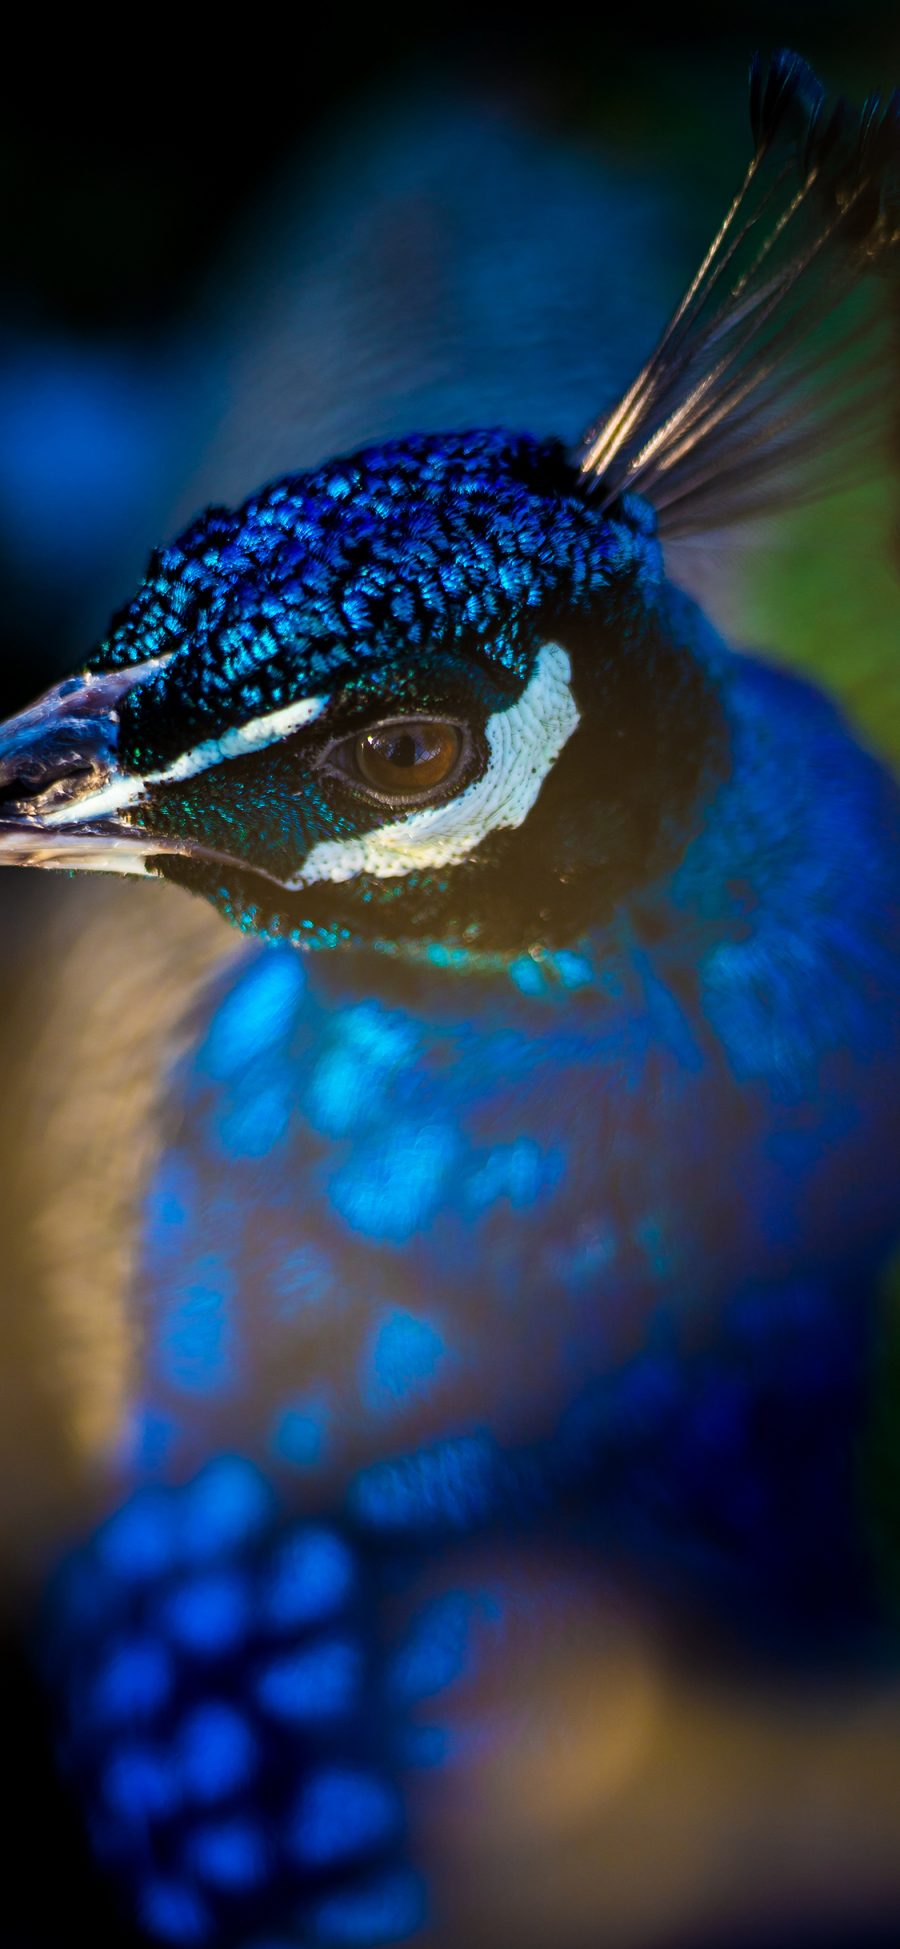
(823, 594)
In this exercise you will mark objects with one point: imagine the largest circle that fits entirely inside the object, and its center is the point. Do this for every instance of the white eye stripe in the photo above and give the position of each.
(124, 790)
(524, 743)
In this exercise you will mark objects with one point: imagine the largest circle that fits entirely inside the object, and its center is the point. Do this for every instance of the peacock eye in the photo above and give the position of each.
(409, 759)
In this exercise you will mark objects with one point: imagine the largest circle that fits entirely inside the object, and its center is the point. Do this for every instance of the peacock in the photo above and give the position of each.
(509, 1278)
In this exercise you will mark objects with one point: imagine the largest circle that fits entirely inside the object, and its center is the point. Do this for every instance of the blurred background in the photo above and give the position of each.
(235, 245)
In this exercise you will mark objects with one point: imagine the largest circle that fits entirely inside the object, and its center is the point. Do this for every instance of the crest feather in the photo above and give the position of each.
(770, 378)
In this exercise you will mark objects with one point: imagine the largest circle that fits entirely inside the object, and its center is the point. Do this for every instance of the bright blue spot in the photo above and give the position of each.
(225, 1506)
(299, 1432)
(381, 1037)
(446, 957)
(197, 1341)
(173, 1911)
(519, 1171)
(216, 1750)
(527, 975)
(574, 970)
(392, 1188)
(134, 1682)
(254, 1127)
(311, 1576)
(322, 1683)
(337, 1099)
(139, 1784)
(229, 1855)
(350, 1075)
(386, 1910)
(138, 1542)
(342, 1812)
(259, 1012)
(402, 1360)
(210, 1615)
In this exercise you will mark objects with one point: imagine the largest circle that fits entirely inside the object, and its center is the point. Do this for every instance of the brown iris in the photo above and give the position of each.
(410, 758)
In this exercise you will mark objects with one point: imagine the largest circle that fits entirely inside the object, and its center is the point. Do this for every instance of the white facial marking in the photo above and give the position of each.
(524, 743)
(124, 790)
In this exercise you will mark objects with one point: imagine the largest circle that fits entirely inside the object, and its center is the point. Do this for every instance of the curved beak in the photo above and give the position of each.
(59, 780)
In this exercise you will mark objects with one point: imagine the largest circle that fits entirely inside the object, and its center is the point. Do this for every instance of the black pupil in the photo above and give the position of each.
(407, 758)
(409, 747)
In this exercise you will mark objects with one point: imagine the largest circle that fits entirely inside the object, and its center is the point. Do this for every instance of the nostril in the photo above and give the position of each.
(24, 779)
(39, 757)
(63, 747)
(13, 789)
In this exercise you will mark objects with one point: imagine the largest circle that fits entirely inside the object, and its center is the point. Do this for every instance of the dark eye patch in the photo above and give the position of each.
(276, 804)
(407, 735)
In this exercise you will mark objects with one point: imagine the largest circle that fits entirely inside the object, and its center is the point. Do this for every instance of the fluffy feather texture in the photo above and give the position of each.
(774, 362)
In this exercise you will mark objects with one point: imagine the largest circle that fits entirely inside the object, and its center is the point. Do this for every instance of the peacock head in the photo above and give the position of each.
(420, 695)
(440, 694)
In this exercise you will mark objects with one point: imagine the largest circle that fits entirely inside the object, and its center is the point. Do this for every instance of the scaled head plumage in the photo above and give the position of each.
(440, 692)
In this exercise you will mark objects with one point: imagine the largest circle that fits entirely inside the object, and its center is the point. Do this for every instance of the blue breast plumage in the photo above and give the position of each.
(534, 1223)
